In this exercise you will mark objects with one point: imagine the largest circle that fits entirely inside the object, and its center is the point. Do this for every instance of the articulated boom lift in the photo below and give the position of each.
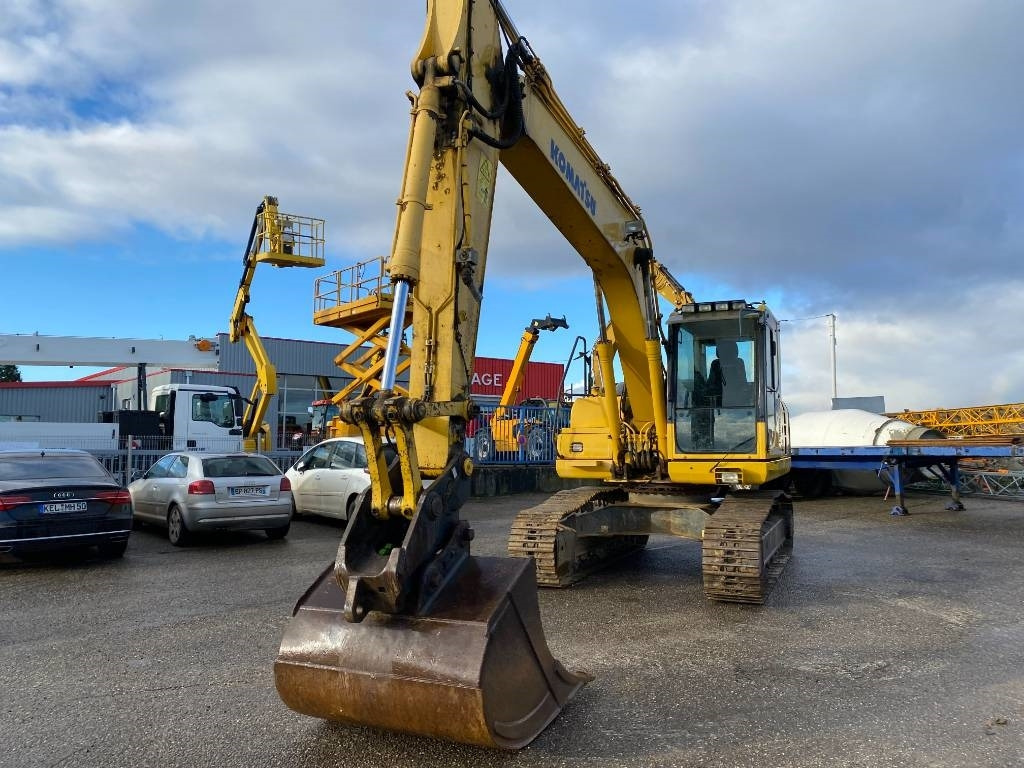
(406, 630)
(281, 240)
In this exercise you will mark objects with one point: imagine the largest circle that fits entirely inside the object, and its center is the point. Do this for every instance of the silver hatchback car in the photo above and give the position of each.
(198, 491)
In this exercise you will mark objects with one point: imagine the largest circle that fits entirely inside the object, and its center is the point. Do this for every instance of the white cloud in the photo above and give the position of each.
(952, 351)
(863, 158)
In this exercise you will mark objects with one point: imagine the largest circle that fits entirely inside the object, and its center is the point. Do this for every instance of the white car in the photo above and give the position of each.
(327, 479)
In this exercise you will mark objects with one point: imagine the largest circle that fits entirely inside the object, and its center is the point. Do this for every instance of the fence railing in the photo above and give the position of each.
(513, 435)
(516, 434)
(1006, 485)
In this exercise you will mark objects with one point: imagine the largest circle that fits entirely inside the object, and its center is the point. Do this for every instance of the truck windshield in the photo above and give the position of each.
(715, 393)
(218, 409)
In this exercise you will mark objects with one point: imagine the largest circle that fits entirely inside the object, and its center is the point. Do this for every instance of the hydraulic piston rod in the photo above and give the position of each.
(391, 353)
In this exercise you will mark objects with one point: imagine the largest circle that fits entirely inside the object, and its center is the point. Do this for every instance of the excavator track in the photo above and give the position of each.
(747, 543)
(547, 534)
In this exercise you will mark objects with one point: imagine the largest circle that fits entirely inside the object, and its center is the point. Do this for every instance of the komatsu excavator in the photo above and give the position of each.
(281, 240)
(406, 630)
(504, 429)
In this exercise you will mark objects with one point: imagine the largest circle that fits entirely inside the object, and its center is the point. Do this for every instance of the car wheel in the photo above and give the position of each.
(177, 532)
(112, 549)
(278, 533)
(295, 510)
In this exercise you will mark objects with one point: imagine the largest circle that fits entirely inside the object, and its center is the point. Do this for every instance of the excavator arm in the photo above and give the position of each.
(454, 648)
(478, 106)
(281, 240)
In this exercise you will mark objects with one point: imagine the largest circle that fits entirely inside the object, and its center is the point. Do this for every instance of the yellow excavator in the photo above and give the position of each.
(406, 630)
(502, 432)
(281, 240)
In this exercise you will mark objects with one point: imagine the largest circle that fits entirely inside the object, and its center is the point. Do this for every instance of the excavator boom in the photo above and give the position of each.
(406, 629)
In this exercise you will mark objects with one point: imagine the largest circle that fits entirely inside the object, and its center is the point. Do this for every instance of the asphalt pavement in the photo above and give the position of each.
(888, 642)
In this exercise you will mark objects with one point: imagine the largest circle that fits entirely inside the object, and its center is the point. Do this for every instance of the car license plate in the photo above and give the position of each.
(250, 490)
(58, 508)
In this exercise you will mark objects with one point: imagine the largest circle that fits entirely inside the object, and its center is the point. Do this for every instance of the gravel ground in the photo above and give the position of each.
(889, 641)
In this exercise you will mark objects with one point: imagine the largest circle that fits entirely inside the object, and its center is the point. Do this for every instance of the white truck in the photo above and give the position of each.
(185, 417)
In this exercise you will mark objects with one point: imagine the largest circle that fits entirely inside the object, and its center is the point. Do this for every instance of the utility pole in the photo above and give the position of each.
(832, 350)
(831, 320)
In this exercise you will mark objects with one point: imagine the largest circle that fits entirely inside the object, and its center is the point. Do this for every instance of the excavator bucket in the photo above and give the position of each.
(476, 669)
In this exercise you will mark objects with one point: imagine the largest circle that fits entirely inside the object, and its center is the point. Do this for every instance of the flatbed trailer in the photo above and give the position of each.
(893, 460)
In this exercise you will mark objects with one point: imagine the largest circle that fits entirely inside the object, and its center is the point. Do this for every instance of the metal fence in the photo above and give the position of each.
(516, 434)
(513, 435)
(1005, 485)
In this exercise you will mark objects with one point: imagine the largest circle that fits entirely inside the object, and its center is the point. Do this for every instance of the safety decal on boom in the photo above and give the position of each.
(483, 181)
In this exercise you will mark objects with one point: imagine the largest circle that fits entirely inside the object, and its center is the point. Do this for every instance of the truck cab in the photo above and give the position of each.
(199, 417)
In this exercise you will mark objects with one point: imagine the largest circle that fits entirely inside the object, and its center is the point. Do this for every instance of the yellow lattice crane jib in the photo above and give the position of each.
(975, 421)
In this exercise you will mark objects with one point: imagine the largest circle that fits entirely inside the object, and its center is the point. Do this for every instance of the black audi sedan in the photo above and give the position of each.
(61, 499)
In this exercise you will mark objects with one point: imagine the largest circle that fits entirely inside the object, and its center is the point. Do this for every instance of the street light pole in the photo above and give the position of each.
(831, 318)
(832, 349)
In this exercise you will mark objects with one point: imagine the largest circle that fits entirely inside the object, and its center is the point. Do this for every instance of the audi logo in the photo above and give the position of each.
(64, 494)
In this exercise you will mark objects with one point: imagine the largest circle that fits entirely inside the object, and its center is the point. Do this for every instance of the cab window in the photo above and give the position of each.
(217, 409)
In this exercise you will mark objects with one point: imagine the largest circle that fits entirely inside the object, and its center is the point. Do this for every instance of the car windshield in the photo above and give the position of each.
(239, 466)
(45, 466)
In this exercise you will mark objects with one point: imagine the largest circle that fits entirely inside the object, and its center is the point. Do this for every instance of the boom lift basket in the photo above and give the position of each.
(475, 670)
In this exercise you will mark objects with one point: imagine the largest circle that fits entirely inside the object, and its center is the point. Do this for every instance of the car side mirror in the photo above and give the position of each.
(137, 474)
(300, 466)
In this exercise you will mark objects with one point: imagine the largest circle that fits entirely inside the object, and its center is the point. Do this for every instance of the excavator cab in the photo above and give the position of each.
(724, 394)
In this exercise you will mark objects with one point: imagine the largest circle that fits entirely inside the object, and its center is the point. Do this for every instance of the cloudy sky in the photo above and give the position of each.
(863, 159)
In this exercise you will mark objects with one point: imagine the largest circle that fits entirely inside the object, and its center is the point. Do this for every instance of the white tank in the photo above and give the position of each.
(850, 427)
